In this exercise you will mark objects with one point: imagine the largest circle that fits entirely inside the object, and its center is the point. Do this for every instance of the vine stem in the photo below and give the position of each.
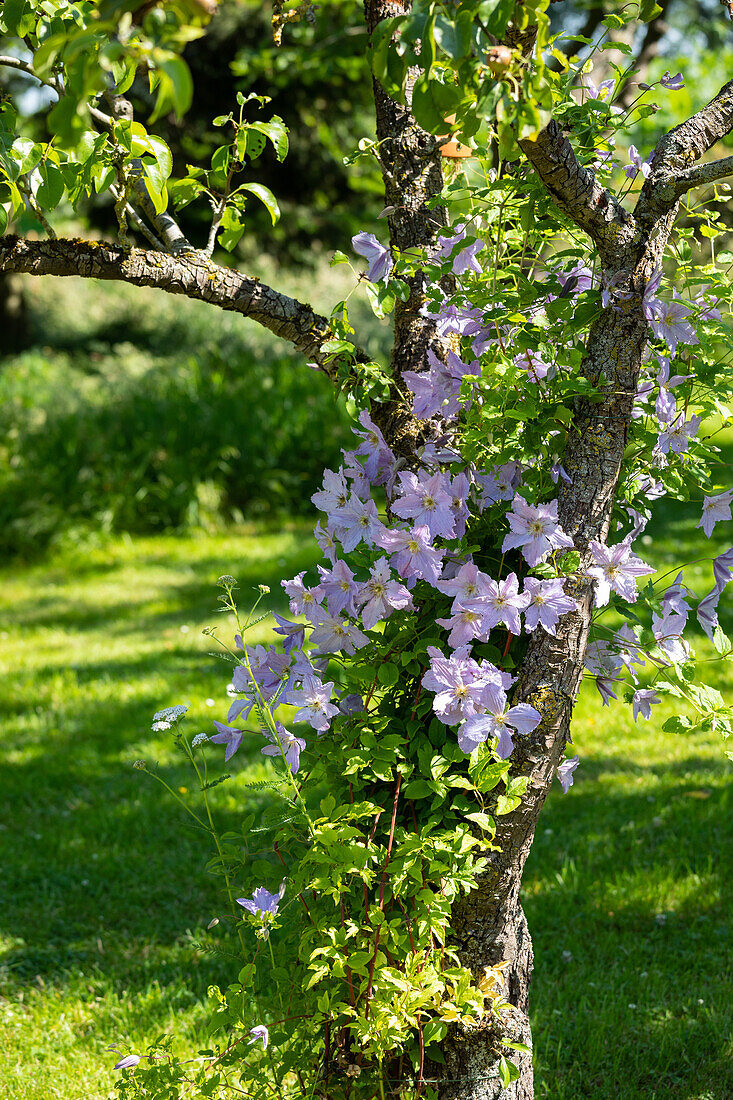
(202, 782)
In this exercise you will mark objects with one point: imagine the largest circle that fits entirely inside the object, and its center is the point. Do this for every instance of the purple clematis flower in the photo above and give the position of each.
(339, 588)
(413, 553)
(334, 634)
(379, 459)
(465, 260)
(381, 595)
(668, 320)
(427, 501)
(643, 701)
(263, 903)
(498, 484)
(468, 583)
(437, 391)
(228, 736)
(499, 723)
(565, 772)
(462, 687)
(259, 1034)
(576, 281)
(313, 702)
(677, 435)
(464, 624)
(714, 510)
(601, 91)
(501, 603)
(637, 165)
(128, 1061)
(535, 530)
(326, 539)
(303, 601)
(616, 568)
(378, 257)
(547, 602)
(334, 494)
(292, 747)
(358, 521)
(674, 83)
(534, 364)
(293, 633)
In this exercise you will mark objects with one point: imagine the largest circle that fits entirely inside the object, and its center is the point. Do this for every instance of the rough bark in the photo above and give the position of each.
(489, 925)
(192, 274)
(412, 172)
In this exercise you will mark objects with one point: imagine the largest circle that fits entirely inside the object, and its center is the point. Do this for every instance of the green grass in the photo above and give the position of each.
(628, 887)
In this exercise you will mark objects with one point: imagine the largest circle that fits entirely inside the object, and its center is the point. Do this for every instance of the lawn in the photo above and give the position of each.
(103, 927)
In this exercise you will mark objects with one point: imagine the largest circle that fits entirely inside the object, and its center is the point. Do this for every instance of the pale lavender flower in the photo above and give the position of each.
(357, 521)
(547, 602)
(677, 435)
(603, 663)
(669, 322)
(465, 259)
(413, 553)
(565, 772)
(642, 702)
(379, 458)
(333, 634)
(498, 484)
(326, 539)
(628, 651)
(464, 625)
(259, 1034)
(314, 705)
(501, 603)
(462, 688)
(616, 569)
(674, 83)
(293, 633)
(667, 629)
(437, 391)
(263, 903)
(636, 164)
(707, 614)
(352, 704)
(576, 281)
(291, 747)
(557, 471)
(500, 723)
(601, 91)
(334, 494)
(535, 530)
(303, 601)
(459, 488)
(228, 736)
(674, 600)
(128, 1061)
(714, 510)
(378, 257)
(381, 595)
(468, 583)
(339, 588)
(534, 364)
(427, 501)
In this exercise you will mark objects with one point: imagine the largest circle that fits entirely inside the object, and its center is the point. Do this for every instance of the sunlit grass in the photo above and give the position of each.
(106, 901)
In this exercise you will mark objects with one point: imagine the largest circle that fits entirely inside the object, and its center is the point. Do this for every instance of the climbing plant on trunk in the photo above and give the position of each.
(477, 540)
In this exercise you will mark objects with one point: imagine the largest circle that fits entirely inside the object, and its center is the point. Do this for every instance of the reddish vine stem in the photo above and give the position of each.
(390, 841)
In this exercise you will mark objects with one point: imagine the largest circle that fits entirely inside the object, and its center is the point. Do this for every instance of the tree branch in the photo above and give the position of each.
(193, 275)
(703, 174)
(691, 139)
(575, 188)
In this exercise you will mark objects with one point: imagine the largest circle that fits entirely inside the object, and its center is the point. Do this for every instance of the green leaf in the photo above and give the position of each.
(231, 229)
(51, 189)
(12, 13)
(454, 39)
(3, 220)
(266, 197)
(27, 153)
(722, 642)
(388, 674)
(495, 15)
(179, 89)
(276, 132)
(507, 1071)
(648, 10)
(418, 788)
(677, 724)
